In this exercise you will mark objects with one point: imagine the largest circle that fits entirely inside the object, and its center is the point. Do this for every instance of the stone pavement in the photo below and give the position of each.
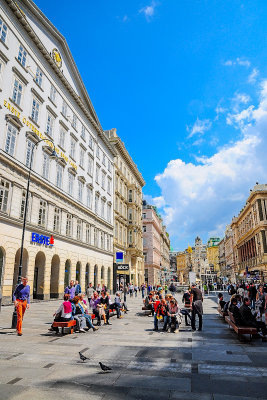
(212, 364)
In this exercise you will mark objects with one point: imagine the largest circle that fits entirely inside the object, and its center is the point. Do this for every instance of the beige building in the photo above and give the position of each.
(249, 236)
(127, 212)
(165, 256)
(44, 105)
(182, 267)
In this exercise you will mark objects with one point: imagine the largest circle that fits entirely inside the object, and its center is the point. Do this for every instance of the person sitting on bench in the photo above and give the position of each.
(149, 303)
(248, 319)
(233, 308)
(63, 313)
(221, 301)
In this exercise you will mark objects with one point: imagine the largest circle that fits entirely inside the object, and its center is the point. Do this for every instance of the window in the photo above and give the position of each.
(90, 165)
(35, 110)
(74, 121)
(130, 214)
(130, 237)
(62, 136)
(49, 124)
(109, 213)
(104, 159)
(145, 257)
(97, 151)
(97, 174)
(64, 108)
(88, 233)
(17, 91)
(82, 153)
(109, 185)
(23, 204)
(95, 237)
(103, 179)
(46, 164)
(108, 243)
(22, 55)
(59, 175)
(116, 230)
(144, 215)
(79, 229)
(29, 149)
(39, 77)
(69, 225)
(53, 93)
(71, 183)
(102, 208)
(130, 196)
(2, 65)
(144, 228)
(56, 225)
(42, 213)
(11, 139)
(80, 191)
(102, 244)
(3, 30)
(83, 132)
(72, 147)
(89, 197)
(109, 166)
(91, 142)
(96, 203)
(4, 195)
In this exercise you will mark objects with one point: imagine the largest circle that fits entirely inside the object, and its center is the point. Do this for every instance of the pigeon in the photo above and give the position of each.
(104, 367)
(82, 357)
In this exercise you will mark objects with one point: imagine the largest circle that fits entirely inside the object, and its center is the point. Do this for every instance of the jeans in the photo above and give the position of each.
(80, 321)
(186, 314)
(193, 319)
(117, 308)
(135, 293)
(173, 320)
(165, 319)
(253, 300)
(96, 312)
(143, 294)
(88, 321)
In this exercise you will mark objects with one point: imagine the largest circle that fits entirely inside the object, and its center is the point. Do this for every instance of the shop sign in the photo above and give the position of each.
(119, 256)
(41, 239)
(123, 267)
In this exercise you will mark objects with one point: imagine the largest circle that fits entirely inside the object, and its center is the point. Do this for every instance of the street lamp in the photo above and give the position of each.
(54, 154)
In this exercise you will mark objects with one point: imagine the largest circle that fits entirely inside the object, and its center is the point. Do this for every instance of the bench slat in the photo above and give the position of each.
(66, 324)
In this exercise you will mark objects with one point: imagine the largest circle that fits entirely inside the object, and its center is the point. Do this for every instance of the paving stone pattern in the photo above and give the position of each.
(212, 364)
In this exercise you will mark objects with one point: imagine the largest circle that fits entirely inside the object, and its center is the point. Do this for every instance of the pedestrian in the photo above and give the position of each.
(135, 290)
(70, 290)
(252, 293)
(78, 288)
(131, 289)
(21, 298)
(196, 300)
(90, 291)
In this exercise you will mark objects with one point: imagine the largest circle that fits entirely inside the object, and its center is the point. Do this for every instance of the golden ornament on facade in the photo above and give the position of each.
(57, 57)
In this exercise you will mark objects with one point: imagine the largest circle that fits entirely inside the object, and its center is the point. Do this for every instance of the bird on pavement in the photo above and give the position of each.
(82, 357)
(104, 367)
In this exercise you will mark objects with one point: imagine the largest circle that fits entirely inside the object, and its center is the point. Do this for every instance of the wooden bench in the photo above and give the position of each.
(222, 313)
(240, 330)
(68, 324)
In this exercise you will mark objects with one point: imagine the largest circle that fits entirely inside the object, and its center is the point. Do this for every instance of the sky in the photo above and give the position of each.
(185, 84)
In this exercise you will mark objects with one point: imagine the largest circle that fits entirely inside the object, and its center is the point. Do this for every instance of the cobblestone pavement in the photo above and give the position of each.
(212, 364)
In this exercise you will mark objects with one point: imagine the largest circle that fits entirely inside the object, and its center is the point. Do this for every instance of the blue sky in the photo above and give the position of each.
(184, 84)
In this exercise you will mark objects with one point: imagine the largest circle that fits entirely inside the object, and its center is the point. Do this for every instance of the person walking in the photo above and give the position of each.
(21, 298)
(143, 287)
(78, 288)
(89, 292)
(196, 300)
(70, 290)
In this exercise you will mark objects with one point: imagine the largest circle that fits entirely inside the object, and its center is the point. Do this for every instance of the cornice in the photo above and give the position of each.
(43, 20)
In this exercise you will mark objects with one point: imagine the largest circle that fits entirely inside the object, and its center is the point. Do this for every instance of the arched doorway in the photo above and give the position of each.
(67, 273)
(102, 274)
(38, 279)
(95, 276)
(25, 260)
(78, 272)
(87, 275)
(109, 278)
(54, 277)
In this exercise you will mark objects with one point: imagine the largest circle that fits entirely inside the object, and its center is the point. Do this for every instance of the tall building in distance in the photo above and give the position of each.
(156, 246)
(127, 214)
(69, 232)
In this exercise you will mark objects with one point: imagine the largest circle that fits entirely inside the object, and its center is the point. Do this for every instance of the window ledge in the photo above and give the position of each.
(37, 84)
(35, 123)
(3, 43)
(49, 98)
(15, 104)
(61, 148)
(73, 159)
(64, 116)
(22, 66)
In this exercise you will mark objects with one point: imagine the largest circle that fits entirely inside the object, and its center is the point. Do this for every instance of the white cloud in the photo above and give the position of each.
(237, 61)
(200, 126)
(125, 18)
(201, 197)
(148, 11)
(252, 77)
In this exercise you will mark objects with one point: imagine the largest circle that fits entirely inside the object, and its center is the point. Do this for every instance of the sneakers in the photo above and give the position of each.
(82, 330)
(95, 328)
(19, 334)
(176, 331)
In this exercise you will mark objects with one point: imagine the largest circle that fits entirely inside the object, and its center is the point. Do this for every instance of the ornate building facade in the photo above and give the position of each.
(44, 106)
(127, 212)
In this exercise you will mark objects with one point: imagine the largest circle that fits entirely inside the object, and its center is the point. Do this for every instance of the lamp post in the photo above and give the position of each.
(54, 154)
